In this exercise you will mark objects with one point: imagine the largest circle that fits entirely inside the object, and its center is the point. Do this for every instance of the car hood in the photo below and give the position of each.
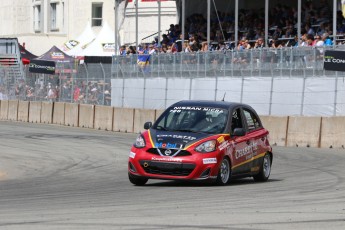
(175, 140)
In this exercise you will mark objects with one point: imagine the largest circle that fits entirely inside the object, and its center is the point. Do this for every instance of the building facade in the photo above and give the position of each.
(40, 24)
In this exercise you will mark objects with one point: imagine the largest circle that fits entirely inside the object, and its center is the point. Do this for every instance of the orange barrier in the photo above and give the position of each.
(35, 111)
(303, 131)
(71, 114)
(140, 117)
(104, 117)
(47, 112)
(277, 126)
(23, 111)
(12, 110)
(4, 110)
(86, 116)
(59, 113)
(123, 120)
(333, 132)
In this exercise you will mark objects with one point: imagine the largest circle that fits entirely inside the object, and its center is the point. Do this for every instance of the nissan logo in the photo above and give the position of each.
(167, 152)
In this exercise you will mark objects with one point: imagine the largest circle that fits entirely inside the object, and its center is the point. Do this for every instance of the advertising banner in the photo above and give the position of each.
(334, 60)
(42, 66)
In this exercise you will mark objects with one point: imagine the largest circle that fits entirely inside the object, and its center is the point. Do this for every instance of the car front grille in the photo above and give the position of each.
(167, 168)
(173, 152)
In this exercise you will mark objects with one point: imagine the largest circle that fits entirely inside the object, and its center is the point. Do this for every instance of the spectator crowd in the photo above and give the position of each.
(316, 29)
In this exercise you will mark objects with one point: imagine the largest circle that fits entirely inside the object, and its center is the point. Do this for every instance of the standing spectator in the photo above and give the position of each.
(76, 93)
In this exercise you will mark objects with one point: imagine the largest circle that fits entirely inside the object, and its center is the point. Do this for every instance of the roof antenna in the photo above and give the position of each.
(224, 96)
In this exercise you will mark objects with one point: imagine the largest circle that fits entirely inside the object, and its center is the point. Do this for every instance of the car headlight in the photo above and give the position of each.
(140, 142)
(206, 147)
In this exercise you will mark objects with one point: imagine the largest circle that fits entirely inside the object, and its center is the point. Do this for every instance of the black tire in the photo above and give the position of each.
(137, 180)
(224, 174)
(265, 169)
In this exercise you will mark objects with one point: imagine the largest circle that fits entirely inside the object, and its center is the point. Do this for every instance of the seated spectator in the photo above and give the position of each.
(326, 40)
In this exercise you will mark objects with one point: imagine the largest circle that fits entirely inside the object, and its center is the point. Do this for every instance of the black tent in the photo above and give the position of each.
(26, 55)
(51, 61)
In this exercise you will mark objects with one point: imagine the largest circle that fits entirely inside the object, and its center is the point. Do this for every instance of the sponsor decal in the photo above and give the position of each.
(224, 145)
(70, 44)
(132, 155)
(179, 109)
(108, 47)
(220, 139)
(165, 145)
(57, 55)
(176, 137)
(209, 161)
(168, 159)
(249, 151)
(254, 169)
(334, 60)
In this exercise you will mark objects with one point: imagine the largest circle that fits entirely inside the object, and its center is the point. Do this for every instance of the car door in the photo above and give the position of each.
(240, 145)
(256, 135)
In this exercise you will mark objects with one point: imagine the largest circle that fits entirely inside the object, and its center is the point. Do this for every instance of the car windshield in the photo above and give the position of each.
(193, 119)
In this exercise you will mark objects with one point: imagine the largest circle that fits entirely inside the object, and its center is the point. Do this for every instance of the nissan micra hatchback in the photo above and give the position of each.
(202, 140)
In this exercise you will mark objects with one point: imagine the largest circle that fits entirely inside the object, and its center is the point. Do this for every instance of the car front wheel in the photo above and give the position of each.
(265, 169)
(137, 180)
(224, 173)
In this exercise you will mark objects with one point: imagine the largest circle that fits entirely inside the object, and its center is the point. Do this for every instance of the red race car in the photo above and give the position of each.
(202, 140)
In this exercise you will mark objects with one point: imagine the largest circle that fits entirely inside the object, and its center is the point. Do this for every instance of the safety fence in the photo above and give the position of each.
(285, 81)
(317, 131)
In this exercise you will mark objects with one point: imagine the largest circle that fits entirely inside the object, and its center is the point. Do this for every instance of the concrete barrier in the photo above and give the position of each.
(4, 110)
(304, 131)
(158, 113)
(333, 132)
(86, 116)
(277, 126)
(140, 117)
(104, 116)
(35, 111)
(23, 111)
(12, 110)
(59, 113)
(47, 112)
(71, 114)
(123, 120)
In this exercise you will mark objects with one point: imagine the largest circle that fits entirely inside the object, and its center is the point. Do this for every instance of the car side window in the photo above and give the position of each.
(252, 120)
(236, 121)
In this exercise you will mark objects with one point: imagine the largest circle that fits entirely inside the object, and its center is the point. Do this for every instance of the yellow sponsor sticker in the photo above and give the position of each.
(220, 139)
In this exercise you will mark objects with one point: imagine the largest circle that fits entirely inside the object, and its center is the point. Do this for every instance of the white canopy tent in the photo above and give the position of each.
(103, 45)
(76, 47)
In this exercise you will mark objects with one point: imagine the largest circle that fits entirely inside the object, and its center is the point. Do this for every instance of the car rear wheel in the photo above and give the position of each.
(265, 169)
(137, 180)
(224, 173)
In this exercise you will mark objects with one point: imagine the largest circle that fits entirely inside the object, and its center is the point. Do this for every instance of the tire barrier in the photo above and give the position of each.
(324, 132)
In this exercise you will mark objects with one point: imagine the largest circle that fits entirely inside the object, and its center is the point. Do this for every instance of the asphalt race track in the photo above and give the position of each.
(55, 177)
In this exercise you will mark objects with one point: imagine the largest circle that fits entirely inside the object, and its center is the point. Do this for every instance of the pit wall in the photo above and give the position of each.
(296, 131)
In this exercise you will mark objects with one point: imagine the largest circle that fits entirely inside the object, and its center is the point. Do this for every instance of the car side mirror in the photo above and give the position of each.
(147, 125)
(239, 132)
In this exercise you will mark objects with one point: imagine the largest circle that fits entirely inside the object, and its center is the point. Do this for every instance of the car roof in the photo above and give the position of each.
(209, 103)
